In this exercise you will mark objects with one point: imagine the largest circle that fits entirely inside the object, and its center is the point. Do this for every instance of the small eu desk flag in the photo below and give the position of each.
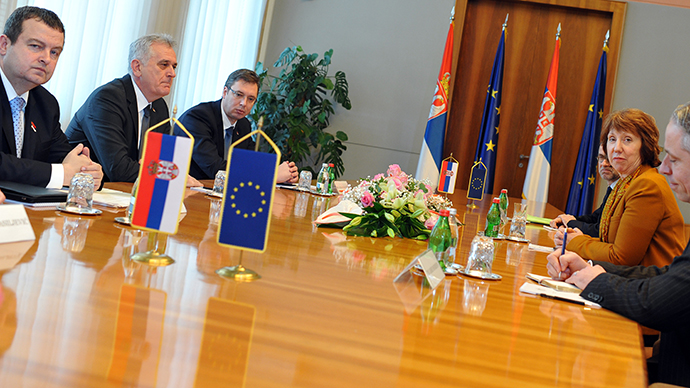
(248, 198)
(162, 181)
(475, 188)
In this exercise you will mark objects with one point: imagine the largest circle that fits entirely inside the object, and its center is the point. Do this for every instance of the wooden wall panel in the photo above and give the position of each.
(530, 41)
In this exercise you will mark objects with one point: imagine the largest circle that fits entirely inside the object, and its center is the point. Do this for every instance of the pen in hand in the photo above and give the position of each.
(565, 240)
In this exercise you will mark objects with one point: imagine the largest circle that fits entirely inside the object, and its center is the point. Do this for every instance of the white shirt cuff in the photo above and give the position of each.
(57, 176)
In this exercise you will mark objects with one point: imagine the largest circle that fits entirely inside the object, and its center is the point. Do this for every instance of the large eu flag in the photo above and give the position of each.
(581, 196)
(487, 143)
(247, 201)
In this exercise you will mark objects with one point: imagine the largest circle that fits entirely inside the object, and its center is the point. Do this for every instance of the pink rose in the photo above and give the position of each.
(367, 199)
(431, 221)
(394, 170)
(429, 191)
(403, 178)
(396, 180)
(378, 176)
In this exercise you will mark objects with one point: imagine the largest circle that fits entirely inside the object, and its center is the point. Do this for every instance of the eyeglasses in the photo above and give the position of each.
(250, 99)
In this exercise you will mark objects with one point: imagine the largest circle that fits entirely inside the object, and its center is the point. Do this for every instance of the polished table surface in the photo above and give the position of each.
(76, 311)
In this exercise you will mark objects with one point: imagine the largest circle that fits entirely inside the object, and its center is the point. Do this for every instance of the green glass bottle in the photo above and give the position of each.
(331, 178)
(493, 219)
(440, 239)
(503, 207)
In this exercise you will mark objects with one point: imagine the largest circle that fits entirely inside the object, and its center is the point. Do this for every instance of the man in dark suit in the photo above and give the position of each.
(33, 148)
(114, 117)
(589, 223)
(655, 297)
(217, 124)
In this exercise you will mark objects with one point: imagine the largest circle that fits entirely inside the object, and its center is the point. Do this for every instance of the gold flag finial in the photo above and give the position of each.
(505, 24)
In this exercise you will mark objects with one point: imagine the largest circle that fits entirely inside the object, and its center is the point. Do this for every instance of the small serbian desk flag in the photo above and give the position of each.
(248, 197)
(449, 171)
(162, 179)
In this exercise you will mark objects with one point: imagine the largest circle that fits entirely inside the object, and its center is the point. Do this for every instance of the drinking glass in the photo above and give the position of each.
(519, 221)
(304, 180)
(481, 256)
(219, 182)
(80, 196)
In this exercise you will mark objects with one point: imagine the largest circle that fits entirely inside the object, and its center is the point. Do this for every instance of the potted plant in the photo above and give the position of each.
(296, 108)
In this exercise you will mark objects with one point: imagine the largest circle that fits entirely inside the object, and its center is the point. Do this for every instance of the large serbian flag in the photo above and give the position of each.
(432, 147)
(162, 182)
(536, 187)
(449, 171)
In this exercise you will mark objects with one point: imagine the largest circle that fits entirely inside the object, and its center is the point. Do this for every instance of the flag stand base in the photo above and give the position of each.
(238, 273)
(153, 257)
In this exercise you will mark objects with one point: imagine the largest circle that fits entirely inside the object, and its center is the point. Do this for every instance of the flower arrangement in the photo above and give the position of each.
(394, 204)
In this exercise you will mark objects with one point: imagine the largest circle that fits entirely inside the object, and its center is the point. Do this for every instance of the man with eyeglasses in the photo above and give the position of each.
(217, 124)
(589, 223)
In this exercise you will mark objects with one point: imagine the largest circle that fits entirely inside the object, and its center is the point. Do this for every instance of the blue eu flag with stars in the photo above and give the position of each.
(249, 184)
(581, 196)
(488, 135)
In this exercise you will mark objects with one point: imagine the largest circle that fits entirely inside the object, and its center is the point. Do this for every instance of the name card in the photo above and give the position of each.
(14, 224)
(410, 288)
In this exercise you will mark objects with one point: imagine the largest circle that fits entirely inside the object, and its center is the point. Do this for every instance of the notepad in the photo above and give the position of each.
(557, 285)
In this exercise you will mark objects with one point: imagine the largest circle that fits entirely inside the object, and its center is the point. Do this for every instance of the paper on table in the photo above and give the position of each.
(111, 198)
(535, 289)
(540, 248)
(538, 220)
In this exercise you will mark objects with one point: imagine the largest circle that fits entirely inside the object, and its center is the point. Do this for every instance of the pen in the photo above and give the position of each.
(565, 240)
(547, 296)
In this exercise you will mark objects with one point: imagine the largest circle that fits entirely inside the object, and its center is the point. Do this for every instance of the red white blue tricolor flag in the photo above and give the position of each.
(449, 171)
(162, 182)
(248, 199)
(536, 187)
(432, 148)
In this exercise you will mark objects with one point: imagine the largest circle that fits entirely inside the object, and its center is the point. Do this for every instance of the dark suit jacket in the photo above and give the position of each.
(205, 123)
(44, 141)
(589, 223)
(655, 297)
(108, 123)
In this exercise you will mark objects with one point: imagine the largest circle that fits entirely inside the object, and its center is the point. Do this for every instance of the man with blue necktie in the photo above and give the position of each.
(217, 124)
(33, 148)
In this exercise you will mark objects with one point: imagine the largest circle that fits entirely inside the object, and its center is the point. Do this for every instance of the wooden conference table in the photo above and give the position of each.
(76, 311)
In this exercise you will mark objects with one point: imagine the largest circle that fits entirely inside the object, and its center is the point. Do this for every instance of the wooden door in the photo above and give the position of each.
(530, 42)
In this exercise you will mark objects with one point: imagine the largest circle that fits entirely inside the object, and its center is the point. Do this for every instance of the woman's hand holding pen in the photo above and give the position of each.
(572, 268)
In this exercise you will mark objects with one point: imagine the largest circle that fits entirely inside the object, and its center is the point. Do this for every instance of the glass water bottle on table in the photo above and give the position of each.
(454, 233)
(440, 239)
(322, 179)
(493, 220)
(503, 207)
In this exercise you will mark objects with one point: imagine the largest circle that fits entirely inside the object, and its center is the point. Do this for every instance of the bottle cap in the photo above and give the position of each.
(504, 191)
(452, 211)
(444, 213)
(331, 165)
(496, 200)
